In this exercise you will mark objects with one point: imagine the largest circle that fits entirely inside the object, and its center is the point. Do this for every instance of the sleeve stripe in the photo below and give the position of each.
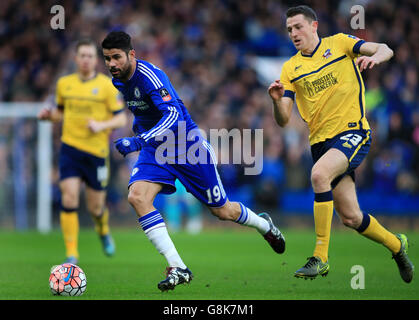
(117, 111)
(357, 46)
(150, 72)
(289, 94)
(166, 124)
(173, 120)
(146, 135)
(151, 75)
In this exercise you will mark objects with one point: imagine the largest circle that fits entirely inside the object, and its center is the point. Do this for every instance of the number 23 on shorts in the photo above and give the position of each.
(353, 138)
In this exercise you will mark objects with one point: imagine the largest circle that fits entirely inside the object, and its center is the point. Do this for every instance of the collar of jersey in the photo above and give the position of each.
(87, 80)
(136, 70)
(314, 51)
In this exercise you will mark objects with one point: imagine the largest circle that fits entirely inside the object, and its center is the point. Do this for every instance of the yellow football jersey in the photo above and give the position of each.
(328, 87)
(95, 99)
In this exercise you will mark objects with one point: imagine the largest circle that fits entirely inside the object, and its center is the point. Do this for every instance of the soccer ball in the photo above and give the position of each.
(67, 280)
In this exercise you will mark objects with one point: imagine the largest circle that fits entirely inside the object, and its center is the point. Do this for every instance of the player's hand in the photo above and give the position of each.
(276, 90)
(95, 126)
(365, 62)
(129, 144)
(44, 114)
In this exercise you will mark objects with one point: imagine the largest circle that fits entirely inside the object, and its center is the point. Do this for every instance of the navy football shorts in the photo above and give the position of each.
(355, 144)
(201, 179)
(92, 170)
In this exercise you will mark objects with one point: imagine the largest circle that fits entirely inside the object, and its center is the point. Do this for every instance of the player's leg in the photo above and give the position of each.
(329, 166)
(216, 200)
(332, 164)
(69, 221)
(347, 207)
(71, 162)
(239, 213)
(95, 201)
(95, 172)
(203, 181)
(141, 197)
(96, 206)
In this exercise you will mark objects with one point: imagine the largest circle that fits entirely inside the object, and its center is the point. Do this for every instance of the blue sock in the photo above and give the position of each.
(151, 221)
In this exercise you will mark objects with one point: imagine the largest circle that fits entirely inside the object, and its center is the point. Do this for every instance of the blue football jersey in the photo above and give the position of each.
(150, 96)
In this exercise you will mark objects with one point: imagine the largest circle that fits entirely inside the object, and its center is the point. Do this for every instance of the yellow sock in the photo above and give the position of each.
(375, 231)
(323, 213)
(70, 227)
(102, 222)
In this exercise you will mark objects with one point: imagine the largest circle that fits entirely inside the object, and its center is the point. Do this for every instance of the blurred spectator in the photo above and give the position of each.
(272, 178)
(183, 210)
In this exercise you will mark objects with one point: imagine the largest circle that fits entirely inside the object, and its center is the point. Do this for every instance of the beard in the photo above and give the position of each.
(122, 74)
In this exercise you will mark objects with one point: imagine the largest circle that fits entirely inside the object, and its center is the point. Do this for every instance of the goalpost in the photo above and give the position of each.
(43, 165)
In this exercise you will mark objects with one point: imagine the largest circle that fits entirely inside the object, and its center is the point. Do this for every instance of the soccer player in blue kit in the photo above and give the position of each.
(158, 110)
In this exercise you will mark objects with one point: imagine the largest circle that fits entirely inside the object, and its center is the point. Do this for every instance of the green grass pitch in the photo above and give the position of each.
(227, 264)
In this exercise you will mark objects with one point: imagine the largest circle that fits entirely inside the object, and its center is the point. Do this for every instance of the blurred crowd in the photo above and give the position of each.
(206, 47)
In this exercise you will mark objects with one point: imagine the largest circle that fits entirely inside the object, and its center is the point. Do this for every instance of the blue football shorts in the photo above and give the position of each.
(94, 171)
(201, 179)
(355, 144)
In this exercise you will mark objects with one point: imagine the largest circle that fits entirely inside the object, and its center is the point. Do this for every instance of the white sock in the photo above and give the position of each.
(251, 219)
(156, 231)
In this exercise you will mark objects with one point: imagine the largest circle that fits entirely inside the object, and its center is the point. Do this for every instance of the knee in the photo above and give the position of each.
(139, 198)
(319, 179)
(95, 209)
(69, 200)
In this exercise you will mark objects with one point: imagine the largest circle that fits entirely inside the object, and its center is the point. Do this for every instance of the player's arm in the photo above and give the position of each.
(117, 121)
(373, 54)
(115, 106)
(169, 121)
(51, 114)
(282, 103)
(54, 114)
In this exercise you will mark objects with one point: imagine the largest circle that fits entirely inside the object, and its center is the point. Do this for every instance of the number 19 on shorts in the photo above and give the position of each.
(214, 195)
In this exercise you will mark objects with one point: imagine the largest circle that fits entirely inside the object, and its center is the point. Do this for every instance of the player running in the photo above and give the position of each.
(324, 78)
(158, 111)
(89, 108)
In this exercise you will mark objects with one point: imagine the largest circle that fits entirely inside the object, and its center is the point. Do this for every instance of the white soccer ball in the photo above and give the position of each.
(67, 280)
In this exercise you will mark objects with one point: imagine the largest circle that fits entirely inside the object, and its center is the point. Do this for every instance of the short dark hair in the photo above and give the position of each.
(117, 40)
(306, 11)
(85, 42)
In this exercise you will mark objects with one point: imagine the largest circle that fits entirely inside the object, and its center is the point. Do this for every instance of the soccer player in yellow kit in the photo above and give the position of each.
(324, 78)
(89, 108)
